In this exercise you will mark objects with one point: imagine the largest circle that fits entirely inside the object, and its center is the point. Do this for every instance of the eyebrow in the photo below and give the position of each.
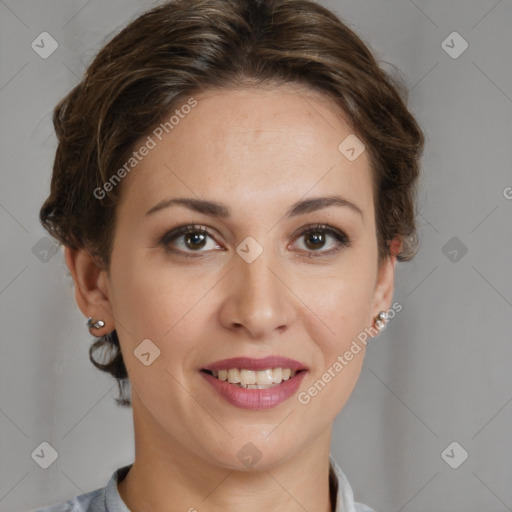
(220, 210)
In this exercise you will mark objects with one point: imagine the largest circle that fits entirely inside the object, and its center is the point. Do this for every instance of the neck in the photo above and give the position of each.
(166, 476)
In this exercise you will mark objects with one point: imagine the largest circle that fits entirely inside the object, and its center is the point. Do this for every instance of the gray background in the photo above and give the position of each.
(441, 372)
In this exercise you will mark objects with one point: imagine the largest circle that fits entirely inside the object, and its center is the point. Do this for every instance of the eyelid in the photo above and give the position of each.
(342, 240)
(179, 231)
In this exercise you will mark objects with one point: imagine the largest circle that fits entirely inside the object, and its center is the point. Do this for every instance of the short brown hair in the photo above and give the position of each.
(183, 46)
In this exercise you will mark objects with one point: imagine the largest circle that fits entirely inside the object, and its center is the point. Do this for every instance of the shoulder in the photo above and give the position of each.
(89, 502)
(359, 507)
(344, 494)
(105, 499)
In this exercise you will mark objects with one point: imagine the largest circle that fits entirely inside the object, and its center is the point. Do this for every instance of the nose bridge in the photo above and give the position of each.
(258, 299)
(258, 281)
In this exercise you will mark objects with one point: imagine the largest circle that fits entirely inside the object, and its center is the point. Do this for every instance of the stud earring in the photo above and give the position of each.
(95, 325)
(381, 320)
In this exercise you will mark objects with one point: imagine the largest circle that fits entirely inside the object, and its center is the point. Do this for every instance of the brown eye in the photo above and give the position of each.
(316, 237)
(187, 239)
(195, 240)
(315, 240)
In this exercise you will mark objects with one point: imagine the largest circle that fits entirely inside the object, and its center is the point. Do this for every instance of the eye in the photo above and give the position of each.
(315, 238)
(194, 238)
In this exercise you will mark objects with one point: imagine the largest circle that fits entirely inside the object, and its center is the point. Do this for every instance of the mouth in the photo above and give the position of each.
(255, 384)
(254, 379)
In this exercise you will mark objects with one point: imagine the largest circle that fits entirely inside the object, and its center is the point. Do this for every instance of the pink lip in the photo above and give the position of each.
(248, 363)
(255, 398)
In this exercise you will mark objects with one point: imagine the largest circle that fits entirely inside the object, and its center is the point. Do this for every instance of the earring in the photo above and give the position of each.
(381, 320)
(95, 325)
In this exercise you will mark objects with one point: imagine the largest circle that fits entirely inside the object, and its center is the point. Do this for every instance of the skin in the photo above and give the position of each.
(257, 150)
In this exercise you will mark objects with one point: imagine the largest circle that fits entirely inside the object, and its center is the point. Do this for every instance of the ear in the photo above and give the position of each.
(91, 288)
(385, 284)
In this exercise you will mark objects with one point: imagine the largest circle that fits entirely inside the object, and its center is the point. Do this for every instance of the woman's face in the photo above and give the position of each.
(254, 285)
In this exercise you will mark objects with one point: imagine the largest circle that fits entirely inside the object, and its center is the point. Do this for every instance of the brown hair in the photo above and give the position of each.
(182, 46)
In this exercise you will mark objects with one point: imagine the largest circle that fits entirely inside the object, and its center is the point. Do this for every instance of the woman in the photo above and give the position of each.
(234, 184)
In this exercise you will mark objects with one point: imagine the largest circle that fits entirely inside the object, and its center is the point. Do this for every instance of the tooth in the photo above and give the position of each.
(234, 375)
(255, 379)
(277, 375)
(264, 377)
(247, 377)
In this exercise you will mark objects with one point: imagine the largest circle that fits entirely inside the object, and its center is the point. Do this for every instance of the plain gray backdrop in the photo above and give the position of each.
(428, 427)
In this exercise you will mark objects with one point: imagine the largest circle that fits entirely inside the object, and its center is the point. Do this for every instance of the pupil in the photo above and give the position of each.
(195, 236)
(318, 240)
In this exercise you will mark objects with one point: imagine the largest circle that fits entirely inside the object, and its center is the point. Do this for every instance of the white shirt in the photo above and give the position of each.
(107, 499)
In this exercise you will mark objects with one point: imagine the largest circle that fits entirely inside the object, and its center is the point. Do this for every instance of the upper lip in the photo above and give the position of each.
(248, 363)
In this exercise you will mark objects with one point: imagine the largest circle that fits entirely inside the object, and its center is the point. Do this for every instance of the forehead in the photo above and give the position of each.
(250, 144)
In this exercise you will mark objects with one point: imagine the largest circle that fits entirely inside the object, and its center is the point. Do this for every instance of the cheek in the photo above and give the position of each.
(160, 301)
(138, 298)
(148, 305)
(342, 301)
(344, 305)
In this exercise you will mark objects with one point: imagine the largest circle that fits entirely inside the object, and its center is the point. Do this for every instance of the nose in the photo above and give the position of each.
(257, 301)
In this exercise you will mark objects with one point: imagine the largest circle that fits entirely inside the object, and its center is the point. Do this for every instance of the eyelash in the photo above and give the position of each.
(170, 236)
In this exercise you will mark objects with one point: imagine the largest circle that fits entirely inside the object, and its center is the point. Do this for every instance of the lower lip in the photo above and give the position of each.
(256, 398)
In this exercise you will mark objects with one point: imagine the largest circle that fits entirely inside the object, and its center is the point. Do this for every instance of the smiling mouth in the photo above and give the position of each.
(254, 379)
